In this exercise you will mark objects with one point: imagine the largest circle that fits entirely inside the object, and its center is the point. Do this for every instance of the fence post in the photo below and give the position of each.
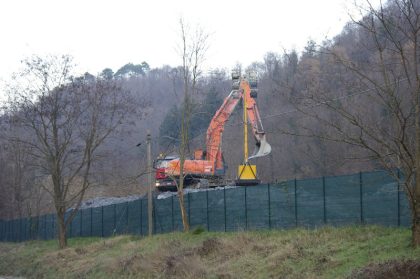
(81, 223)
(13, 230)
(91, 221)
(207, 210)
(36, 227)
(246, 208)
(39, 235)
(32, 228)
(361, 197)
(47, 235)
(12, 238)
(325, 205)
(115, 218)
(296, 207)
(25, 225)
(24, 229)
(52, 226)
(189, 208)
(20, 230)
(154, 215)
(141, 216)
(71, 228)
(126, 216)
(172, 212)
(102, 221)
(269, 205)
(43, 234)
(28, 228)
(224, 203)
(398, 198)
(46, 230)
(3, 230)
(17, 238)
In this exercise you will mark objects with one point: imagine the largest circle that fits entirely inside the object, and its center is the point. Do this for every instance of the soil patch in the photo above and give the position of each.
(389, 270)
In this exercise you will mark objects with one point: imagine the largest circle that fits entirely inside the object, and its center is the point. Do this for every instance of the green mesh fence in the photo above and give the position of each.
(342, 200)
(380, 199)
(363, 198)
(283, 212)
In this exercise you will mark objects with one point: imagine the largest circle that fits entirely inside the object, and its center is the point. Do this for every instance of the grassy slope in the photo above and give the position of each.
(297, 253)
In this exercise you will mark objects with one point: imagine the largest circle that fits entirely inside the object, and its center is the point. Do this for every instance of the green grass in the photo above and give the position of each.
(297, 253)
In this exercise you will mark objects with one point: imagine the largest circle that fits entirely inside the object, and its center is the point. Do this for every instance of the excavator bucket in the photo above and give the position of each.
(262, 148)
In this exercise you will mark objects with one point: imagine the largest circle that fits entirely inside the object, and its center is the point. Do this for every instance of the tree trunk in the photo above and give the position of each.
(415, 229)
(62, 236)
(183, 150)
(184, 215)
(415, 203)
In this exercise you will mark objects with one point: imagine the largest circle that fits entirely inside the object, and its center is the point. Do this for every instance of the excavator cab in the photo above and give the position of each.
(236, 74)
(163, 181)
(254, 93)
(253, 84)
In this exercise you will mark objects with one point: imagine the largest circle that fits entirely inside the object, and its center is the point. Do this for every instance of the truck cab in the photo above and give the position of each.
(163, 181)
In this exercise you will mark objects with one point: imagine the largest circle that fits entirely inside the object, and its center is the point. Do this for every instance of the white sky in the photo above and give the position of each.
(100, 34)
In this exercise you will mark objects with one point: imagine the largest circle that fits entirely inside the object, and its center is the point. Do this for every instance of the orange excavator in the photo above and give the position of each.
(207, 168)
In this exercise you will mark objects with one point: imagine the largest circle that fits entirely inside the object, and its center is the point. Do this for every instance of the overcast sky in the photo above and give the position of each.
(100, 34)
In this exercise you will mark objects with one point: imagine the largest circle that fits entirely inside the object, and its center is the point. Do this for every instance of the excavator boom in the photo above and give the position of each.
(216, 127)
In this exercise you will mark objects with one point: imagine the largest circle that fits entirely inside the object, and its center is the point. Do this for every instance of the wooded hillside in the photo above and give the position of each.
(317, 107)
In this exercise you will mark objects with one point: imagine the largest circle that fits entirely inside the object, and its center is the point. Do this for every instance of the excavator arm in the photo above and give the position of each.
(262, 147)
(217, 124)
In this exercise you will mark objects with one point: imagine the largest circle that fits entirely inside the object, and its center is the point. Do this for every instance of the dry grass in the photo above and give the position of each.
(299, 253)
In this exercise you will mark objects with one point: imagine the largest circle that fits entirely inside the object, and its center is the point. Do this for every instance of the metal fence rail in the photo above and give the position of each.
(363, 198)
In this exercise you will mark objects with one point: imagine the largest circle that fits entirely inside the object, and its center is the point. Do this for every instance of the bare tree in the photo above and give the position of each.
(193, 47)
(63, 121)
(379, 109)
